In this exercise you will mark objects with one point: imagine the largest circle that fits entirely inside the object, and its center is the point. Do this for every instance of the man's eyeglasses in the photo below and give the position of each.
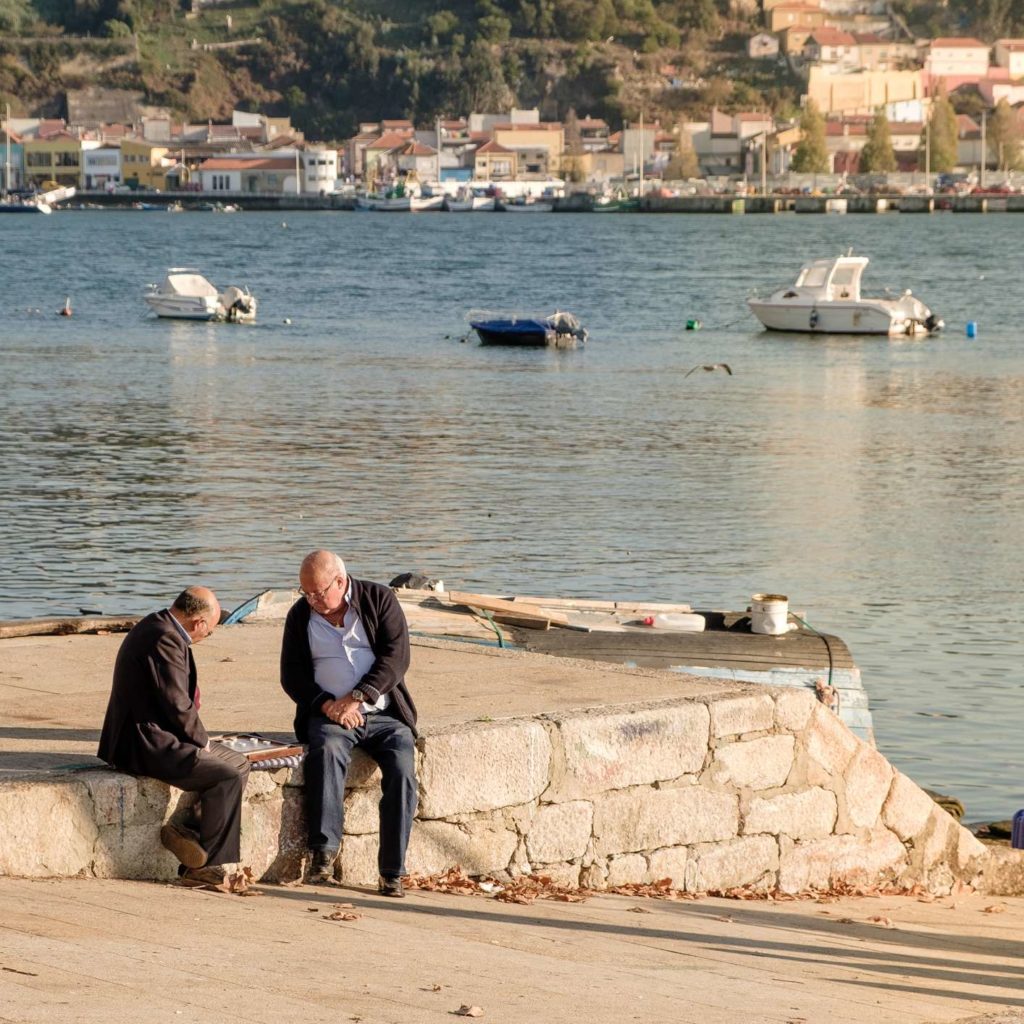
(315, 596)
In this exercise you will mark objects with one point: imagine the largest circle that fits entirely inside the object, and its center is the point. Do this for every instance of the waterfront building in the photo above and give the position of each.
(101, 168)
(55, 159)
(145, 164)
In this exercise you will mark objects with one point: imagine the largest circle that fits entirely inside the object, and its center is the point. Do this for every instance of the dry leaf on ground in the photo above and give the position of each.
(240, 883)
(885, 922)
(342, 915)
(995, 908)
(637, 910)
(468, 1011)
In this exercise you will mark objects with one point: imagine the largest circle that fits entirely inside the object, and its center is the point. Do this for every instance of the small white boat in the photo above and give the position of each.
(826, 299)
(394, 201)
(468, 202)
(528, 205)
(186, 295)
(422, 204)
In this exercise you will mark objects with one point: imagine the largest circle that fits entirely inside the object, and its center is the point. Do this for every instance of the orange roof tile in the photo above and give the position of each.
(955, 42)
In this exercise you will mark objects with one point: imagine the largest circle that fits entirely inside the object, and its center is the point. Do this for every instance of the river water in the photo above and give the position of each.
(876, 482)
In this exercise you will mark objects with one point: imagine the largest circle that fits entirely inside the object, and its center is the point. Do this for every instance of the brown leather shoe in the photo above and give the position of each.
(211, 877)
(322, 867)
(184, 844)
(390, 887)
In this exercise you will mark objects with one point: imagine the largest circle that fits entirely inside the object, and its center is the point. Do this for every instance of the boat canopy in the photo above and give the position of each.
(185, 282)
(833, 279)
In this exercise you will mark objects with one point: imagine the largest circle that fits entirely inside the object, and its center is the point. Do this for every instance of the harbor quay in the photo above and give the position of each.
(584, 203)
(586, 773)
(593, 775)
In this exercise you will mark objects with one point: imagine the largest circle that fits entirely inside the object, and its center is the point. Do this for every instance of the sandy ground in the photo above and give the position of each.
(83, 950)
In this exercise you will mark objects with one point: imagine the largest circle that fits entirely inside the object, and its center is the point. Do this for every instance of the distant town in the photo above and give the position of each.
(876, 101)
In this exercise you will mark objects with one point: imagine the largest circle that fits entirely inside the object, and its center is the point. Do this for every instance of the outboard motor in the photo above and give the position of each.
(932, 323)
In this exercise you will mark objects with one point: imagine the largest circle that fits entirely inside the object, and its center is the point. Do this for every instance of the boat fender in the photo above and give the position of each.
(813, 319)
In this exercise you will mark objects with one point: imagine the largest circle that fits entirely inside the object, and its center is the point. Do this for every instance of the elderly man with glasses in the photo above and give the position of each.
(344, 657)
(152, 727)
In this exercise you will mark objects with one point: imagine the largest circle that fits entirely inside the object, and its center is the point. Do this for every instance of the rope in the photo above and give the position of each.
(828, 648)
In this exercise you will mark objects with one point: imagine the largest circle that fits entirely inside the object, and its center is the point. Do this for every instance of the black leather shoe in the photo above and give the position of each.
(321, 868)
(390, 887)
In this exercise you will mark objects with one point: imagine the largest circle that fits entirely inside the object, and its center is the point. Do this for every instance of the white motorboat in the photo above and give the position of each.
(826, 299)
(527, 205)
(468, 202)
(186, 295)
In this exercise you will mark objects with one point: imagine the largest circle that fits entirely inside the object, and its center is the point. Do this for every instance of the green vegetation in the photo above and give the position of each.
(940, 137)
(1003, 137)
(330, 64)
(811, 155)
(878, 156)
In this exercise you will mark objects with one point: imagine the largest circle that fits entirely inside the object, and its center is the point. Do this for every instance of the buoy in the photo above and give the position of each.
(284, 224)
(972, 328)
(287, 319)
(693, 325)
(66, 311)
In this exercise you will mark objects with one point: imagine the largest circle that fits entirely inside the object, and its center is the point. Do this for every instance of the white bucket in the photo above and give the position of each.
(769, 613)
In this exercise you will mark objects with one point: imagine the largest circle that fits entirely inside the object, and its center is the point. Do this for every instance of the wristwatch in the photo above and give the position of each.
(358, 695)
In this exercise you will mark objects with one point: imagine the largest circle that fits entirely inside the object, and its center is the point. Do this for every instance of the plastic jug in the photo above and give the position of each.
(682, 622)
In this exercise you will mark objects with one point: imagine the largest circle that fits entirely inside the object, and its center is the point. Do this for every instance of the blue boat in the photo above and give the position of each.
(559, 329)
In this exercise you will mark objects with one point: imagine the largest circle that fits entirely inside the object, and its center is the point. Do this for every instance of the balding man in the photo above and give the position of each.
(152, 727)
(344, 657)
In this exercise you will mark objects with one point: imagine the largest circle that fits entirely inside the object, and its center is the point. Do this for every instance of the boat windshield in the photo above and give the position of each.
(814, 276)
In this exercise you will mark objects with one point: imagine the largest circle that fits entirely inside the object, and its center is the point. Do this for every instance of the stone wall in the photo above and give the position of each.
(763, 788)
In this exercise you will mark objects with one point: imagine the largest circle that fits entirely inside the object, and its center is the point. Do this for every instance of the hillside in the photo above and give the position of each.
(332, 63)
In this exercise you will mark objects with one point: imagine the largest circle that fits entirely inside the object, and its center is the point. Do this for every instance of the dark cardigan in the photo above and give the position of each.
(386, 629)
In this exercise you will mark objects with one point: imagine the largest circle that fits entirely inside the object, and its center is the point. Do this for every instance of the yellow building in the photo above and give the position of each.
(539, 146)
(861, 92)
(55, 159)
(145, 164)
(494, 163)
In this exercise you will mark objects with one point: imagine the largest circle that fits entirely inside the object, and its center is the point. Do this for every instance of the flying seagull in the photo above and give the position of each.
(709, 367)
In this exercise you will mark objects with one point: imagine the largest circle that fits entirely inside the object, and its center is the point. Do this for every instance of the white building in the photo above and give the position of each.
(1010, 55)
(319, 170)
(101, 168)
(957, 57)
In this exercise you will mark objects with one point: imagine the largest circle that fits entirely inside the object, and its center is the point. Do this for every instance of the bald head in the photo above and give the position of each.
(322, 579)
(198, 610)
(322, 563)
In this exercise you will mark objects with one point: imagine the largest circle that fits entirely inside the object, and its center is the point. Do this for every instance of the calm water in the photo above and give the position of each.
(878, 483)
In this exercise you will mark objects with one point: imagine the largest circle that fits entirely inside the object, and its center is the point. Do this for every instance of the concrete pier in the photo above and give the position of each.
(592, 774)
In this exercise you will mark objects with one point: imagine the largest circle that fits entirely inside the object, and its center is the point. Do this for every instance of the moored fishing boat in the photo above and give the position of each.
(557, 330)
(826, 299)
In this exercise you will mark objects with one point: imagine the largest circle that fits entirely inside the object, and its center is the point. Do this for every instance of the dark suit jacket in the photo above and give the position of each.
(152, 725)
(388, 633)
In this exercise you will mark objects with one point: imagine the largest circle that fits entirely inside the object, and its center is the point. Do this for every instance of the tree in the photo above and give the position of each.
(811, 156)
(572, 159)
(941, 136)
(684, 163)
(1004, 137)
(877, 156)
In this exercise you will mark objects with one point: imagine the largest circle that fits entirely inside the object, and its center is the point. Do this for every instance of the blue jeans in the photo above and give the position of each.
(391, 744)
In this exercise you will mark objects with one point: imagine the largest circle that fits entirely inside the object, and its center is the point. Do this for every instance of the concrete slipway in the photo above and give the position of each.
(106, 949)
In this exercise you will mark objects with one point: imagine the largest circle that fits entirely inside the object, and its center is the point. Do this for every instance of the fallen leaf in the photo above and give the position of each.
(637, 910)
(342, 915)
(995, 908)
(723, 917)
(885, 922)
(468, 1011)
(312, 910)
(845, 920)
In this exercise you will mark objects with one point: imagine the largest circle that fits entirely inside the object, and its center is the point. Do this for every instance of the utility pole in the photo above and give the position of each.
(764, 162)
(7, 161)
(984, 150)
(928, 152)
(641, 154)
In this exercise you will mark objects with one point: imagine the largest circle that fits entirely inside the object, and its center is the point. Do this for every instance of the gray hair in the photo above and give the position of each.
(191, 603)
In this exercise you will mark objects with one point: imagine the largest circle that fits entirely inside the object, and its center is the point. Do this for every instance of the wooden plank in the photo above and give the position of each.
(585, 604)
(496, 604)
(65, 627)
